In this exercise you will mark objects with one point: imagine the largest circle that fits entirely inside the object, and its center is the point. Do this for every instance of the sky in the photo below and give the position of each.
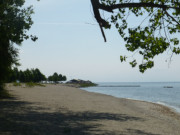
(70, 43)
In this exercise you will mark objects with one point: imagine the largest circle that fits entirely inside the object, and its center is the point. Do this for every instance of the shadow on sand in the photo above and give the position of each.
(19, 118)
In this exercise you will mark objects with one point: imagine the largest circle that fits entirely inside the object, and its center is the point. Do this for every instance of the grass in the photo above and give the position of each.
(32, 84)
(16, 84)
(39, 84)
(28, 84)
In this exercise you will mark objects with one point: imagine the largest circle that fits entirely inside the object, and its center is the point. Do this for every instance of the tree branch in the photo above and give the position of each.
(102, 31)
(128, 5)
(172, 17)
(103, 23)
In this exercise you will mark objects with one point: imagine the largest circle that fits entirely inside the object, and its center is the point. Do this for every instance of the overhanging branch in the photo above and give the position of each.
(129, 5)
(172, 17)
(103, 23)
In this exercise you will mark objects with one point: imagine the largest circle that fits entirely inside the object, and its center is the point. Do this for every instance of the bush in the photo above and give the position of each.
(16, 84)
(30, 84)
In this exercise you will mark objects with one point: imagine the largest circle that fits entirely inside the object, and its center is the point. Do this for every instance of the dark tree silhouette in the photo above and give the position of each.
(15, 21)
(33, 75)
(37, 75)
(57, 78)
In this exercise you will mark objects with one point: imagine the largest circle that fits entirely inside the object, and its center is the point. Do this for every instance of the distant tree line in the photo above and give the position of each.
(33, 75)
(29, 75)
(56, 78)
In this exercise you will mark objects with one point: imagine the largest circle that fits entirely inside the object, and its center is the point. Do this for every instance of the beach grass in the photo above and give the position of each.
(16, 84)
(32, 84)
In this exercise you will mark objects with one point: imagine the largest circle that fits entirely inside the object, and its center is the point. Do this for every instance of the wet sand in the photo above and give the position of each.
(64, 110)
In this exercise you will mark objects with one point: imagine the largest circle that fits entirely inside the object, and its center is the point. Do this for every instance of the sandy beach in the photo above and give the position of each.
(64, 110)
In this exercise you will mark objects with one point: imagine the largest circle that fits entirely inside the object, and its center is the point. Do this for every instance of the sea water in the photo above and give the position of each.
(165, 93)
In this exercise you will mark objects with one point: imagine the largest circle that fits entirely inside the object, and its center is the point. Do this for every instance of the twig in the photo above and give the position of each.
(172, 17)
(102, 31)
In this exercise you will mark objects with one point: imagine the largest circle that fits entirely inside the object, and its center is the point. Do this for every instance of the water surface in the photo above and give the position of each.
(166, 93)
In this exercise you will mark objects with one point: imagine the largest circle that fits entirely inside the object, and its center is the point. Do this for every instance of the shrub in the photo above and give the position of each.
(16, 84)
(30, 84)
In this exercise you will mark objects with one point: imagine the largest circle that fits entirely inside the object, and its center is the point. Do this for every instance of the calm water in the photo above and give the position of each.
(151, 92)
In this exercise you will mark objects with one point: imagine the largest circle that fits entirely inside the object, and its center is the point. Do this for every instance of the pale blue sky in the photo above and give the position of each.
(70, 43)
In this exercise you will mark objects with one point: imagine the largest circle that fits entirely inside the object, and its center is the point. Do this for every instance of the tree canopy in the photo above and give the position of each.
(32, 75)
(56, 78)
(154, 35)
(15, 21)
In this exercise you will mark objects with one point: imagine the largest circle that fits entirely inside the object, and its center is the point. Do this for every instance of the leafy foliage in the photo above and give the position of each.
(15, 21)
(56, 78)
(33, 75)
(153, 36)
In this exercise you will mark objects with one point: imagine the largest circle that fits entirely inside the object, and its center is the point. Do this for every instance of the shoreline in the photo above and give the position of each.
(168, 108)
(172, 107)
(70, 111)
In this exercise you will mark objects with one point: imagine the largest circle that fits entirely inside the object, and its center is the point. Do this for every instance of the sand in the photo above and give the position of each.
(64, 110)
